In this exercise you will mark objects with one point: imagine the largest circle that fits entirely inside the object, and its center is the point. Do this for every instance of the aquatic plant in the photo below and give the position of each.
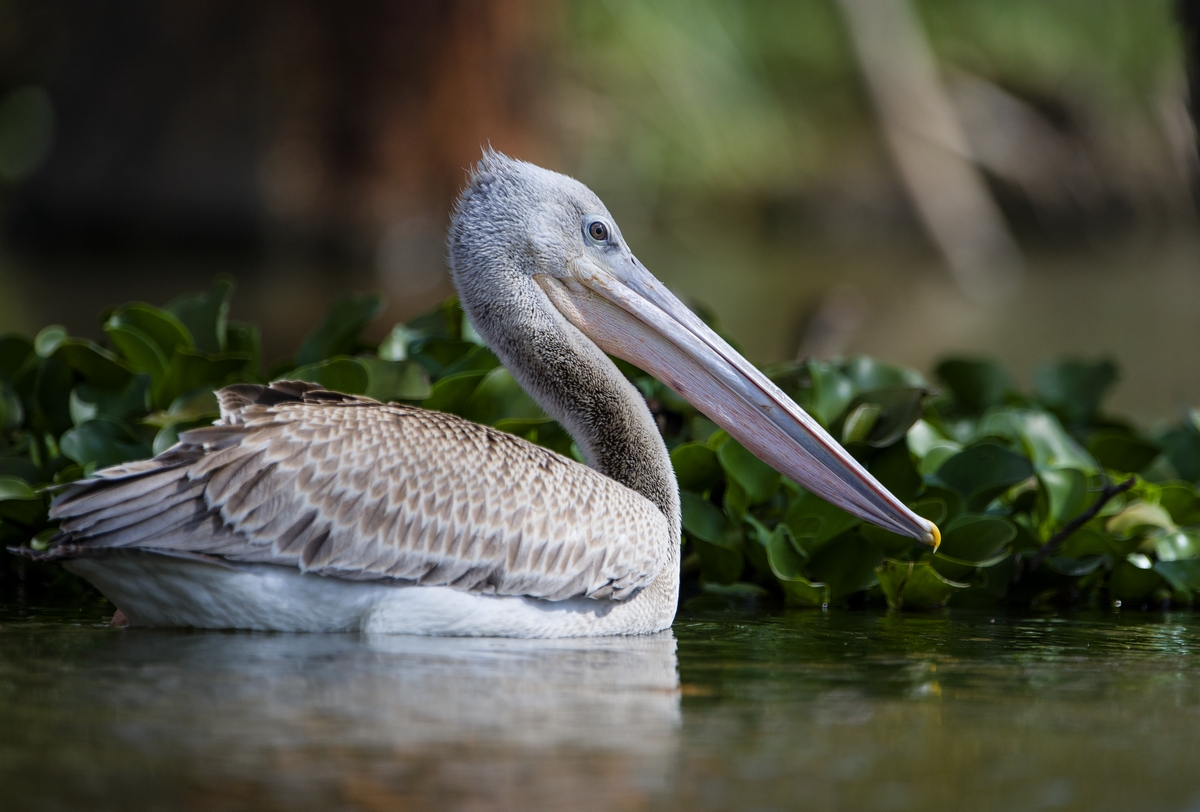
(1040, 496)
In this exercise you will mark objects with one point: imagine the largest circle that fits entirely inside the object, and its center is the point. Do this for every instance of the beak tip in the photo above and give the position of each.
(934, 537)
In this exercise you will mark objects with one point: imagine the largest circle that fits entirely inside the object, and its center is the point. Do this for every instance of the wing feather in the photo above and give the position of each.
(347, 487)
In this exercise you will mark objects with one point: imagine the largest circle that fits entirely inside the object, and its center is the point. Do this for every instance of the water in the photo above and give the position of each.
(737, 709)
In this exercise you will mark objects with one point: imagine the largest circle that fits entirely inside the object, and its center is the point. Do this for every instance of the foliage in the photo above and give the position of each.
(1000, 471)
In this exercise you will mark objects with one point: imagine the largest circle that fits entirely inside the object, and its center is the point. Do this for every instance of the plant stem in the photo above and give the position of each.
(1110, 491)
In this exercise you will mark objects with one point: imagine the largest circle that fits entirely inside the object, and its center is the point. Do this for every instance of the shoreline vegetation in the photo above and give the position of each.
(1042, 498)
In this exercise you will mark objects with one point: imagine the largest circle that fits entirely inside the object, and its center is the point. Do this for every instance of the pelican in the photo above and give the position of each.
(302, 509)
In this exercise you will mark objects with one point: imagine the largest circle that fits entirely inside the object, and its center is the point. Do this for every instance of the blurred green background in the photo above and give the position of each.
(903, 178)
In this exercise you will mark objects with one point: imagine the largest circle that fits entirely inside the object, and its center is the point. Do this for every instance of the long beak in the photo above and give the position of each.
(631, 315)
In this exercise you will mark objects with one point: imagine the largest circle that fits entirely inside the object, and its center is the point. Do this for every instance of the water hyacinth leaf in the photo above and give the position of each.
(1177, 546)
(1076, 567)
(831, 392)
(1063, 495)
(845, 565)
(867, 374)
(450, 394)
(166, 331)
(719, 564)
(335, 374)
(816, 521)
(983, 471)
(14, 352)
(1088, 541)
(978, 540)
(1182, 575)
(49, 339)
(1122, 450)
(915, 585)
(52, 396)
(190, 370)
(441, 357)
(894, 470)
(897, 546)
(94, 363)
(1181, 445)
(859, 422)
(15, 488)
(244, 339)
(1074, 388)
(394, 346)
(103, 442)
(735, 501)
(705, 521)
(337, 334)
(786, 561)
(1138, 518)
(756, 478)
(138, 349)
(1134, 584)
(696, 467)
(89, 401)
(206, 315)
(389, 381)
(12, 411)
(499, 396)
(1182, 501)
(1042, 437)
(975, 383)
(923, 438)
(882, 416)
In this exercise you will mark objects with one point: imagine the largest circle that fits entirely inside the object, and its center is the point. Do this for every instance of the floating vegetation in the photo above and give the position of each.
(1040, 496)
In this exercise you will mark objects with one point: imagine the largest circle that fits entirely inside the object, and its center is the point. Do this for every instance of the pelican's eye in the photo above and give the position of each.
(598, 231)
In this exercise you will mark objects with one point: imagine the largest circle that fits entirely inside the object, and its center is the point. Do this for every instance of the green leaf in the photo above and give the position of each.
(12, 411)
(163, 329)
(719, 564)
(845, 565)
(1137, 518)
(189, 370)
(1041, 436)
(696, 467)
(52, 396)
(831, 392)
(103, 442)
(395, 346)
(49, 339)
(975, 383)
(915, 585)
(1182, 575)
(1074, 388)
(859, 422)
(703, 520)
(88, 401)
(335, 374)
(205, 315)
(1122, 450)
(96, 364)
(338, 333)
(1132, 584)
(244, 339)
(14, 352)
(142, 352)
(1182, 447)
(395, 380)
(894, 470)
(1182, 501)
(1063, 496)
(813, 521)
(14, 488)
(450, 394)
(787, 565)
(883, 416)
(984, 471)
(756, 478)
(499, 396)
(1177, 546)
(867, 374)
(979, 540)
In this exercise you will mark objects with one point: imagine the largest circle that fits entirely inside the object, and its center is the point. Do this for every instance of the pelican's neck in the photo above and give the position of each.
(577, 384)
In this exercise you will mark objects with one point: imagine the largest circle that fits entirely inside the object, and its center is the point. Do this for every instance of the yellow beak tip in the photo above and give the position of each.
(934, 537)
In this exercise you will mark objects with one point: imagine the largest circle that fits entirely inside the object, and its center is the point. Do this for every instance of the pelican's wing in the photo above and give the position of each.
(348, 487)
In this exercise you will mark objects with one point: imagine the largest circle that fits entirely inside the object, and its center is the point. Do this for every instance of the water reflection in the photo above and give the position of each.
(331, 721)
(861, 710)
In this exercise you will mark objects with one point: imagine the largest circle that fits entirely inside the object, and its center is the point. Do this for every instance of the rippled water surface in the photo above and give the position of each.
(738, 709)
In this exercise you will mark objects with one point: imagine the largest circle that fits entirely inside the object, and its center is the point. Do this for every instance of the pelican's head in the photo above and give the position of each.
(519, 219)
